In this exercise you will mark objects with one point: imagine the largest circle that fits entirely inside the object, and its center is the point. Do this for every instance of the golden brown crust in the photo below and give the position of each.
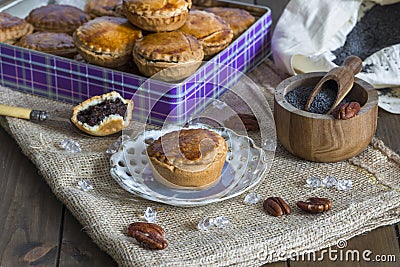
(57, 18)
(111, 124)
(238, 19)
(12, 28)
(211, 30)
(106, 41)
(168, 46)
(157, 16)
(99, 8)
(60, 44)
(159, 51)
(188, 158)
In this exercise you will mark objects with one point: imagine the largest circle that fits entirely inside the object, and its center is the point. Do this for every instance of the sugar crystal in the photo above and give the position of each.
(71, 146)
(344, 184)
(150, 215)
(252, 198)
(313, 182)
(330, 181)
(85, 185)
(205, 224)
(221, 222)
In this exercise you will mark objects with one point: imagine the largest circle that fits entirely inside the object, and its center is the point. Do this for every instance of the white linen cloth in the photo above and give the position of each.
(308, 31)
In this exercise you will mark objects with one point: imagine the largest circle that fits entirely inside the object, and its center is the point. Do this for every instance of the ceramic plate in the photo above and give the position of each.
(244, 168)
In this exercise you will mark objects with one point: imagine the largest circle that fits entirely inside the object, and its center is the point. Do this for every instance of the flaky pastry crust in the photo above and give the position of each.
(159, 51)
(99, 8)
(157, 16)
(188, 158)
(106, 41)
(238, 19)
(57, 18)
(211, 30)
(60, 44)
(12, 28)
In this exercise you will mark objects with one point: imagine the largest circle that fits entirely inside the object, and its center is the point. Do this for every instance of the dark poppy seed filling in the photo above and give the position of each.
(93, 115)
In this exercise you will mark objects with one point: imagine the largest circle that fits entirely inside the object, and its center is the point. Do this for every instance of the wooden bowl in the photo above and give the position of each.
(321, 137)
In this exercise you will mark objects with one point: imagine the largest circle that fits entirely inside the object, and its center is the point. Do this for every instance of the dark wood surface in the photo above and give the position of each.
(37, 230)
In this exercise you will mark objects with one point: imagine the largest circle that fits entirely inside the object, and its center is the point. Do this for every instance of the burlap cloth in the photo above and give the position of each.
(252, 238)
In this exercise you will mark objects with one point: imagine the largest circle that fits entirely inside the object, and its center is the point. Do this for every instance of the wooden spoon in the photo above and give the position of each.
(343, 76)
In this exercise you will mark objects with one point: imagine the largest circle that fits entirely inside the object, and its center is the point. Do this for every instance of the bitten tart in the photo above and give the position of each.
(57, 18)
(103, 115)
(59, 44)
(175, 53)
(99, 8)
(190, 158)
(12, 28)
(157, 16)
(238, 19)
(211, 30)
(106, 41)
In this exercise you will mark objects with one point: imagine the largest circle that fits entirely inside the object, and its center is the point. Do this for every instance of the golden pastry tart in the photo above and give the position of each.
(188, 158)
(103, 115)
(175, 53)
(211, 30)
(238, 19)
(59, 44)
(12, 28)
(57, 18)
(106, 41)
(99, 8)
(157, 16)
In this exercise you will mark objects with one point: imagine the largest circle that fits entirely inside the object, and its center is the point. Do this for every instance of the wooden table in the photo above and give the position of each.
(33, 220)
(37, 229)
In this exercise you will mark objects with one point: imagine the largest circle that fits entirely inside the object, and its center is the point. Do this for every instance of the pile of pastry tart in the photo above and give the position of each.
(138, 36)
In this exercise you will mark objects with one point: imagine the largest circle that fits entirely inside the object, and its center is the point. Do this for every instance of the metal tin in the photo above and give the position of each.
(71, 81)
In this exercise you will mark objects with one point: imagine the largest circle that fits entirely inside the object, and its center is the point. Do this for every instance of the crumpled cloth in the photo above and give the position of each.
(308, 31)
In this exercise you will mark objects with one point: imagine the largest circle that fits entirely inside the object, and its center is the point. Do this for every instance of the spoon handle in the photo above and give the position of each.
(353, 63)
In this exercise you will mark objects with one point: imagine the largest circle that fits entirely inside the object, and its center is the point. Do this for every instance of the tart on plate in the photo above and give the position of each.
(12, 28)
(103, 115)
(106, 41)
(211, 30)
(59, 44)
(57, 18)
(188, 158)
(157, 16)
(174, 53)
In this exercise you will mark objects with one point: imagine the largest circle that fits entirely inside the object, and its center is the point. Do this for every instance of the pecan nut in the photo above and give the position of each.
(276, 206)
(149, 235)
(315, 205)
(249, 121)
(346, 110)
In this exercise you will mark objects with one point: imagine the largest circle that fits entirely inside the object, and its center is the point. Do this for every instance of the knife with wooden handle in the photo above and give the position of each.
(37, 116)
(23, 113)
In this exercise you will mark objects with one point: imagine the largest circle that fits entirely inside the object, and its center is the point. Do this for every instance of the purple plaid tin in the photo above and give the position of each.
(72, 81)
